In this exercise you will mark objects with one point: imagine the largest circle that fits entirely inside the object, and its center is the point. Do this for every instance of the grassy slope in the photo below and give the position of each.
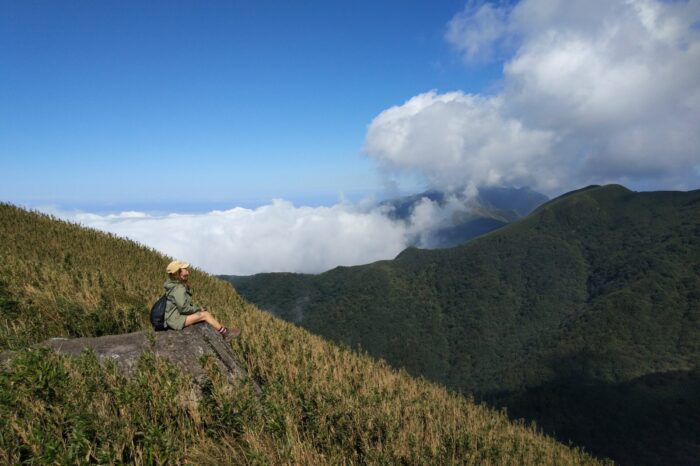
(322, 404)
(595, 290)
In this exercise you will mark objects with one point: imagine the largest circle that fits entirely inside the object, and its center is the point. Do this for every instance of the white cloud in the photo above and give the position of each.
(429, 217)
(279, 237)
(458, 140)
(594, 91)
(620, 79)
(478, 30)
(271, 238)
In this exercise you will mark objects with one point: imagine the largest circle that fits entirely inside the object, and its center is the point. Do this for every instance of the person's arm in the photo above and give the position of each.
(180, 298)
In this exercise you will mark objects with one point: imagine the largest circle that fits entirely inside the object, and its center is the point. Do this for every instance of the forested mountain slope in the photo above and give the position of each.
(598, 289)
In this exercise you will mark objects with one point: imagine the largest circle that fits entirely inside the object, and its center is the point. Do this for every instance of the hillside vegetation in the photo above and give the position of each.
(321, 403)
(584, 316)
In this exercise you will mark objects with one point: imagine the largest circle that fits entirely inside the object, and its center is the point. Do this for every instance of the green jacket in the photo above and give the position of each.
(179, 304)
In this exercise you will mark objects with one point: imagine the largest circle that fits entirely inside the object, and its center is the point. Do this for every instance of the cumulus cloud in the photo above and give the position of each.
(458, 140)
(593, 91)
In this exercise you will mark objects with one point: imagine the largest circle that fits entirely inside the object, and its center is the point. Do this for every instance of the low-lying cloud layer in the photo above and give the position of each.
(278, 237)
(593, 92)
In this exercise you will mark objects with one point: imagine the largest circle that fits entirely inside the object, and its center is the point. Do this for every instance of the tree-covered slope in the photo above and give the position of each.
(320, 403)
(600, 287)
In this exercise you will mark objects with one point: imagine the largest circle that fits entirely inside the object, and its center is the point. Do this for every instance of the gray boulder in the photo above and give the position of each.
(183, 349)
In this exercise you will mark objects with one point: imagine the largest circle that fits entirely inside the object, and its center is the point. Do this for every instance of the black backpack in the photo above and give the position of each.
(158, 314)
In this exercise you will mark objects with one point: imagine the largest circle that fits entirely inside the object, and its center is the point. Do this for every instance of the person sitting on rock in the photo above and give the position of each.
(180, 312)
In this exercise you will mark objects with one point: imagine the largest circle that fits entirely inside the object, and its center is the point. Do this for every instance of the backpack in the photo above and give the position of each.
(158, 314)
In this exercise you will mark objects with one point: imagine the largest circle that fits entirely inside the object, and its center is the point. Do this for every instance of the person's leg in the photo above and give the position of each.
(202, 316)
(205, 316)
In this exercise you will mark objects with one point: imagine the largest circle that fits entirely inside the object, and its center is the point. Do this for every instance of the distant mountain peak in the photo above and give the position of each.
(463, 217)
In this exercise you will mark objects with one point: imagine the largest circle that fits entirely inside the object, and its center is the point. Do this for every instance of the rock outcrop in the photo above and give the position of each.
(183, 349)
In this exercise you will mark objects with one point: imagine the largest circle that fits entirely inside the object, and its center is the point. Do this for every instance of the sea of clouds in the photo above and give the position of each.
(278, 237)
(593, 91)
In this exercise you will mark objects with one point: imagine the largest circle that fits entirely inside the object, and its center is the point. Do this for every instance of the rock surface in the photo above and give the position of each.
(183, 349)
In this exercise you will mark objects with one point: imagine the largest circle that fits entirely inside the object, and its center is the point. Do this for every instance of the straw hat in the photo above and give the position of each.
(174, 266)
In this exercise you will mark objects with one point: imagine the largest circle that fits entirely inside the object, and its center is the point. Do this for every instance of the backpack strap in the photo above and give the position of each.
(166, 295)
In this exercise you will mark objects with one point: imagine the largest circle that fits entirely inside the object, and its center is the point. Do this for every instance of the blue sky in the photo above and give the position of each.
(109, 103)
(178, 123)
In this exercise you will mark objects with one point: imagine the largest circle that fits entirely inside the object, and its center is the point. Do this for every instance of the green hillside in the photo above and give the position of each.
(587, 309)
(321, 403)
